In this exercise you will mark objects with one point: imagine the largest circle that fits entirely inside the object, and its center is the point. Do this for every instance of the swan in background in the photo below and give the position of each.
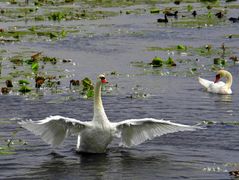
(218, 86)
(94, 136)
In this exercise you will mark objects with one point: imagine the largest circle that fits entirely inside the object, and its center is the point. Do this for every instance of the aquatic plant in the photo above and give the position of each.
(157, 62)
(170, 61)
(189, 7)
(209, 1)
(154, 10)
(88, 88)
(219, 61)
(23, 86)
(181, 47)
(23, 82)
(8, 145)
(57, 16)
(35, 67)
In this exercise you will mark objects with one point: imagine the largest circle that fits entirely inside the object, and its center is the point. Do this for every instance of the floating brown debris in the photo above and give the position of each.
(39, 81)
(234, 59)
(177, 2)
(9, 83)
(5, 90)
(66, 60)
(234, 173)
(36, 56)
(74, 82)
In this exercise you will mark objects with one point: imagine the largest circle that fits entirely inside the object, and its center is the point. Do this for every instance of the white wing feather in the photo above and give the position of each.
(205, 83)
(54, 129)
(136, 131)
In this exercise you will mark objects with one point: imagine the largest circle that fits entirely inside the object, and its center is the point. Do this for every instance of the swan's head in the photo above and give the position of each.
(102, 78)
(220, 74)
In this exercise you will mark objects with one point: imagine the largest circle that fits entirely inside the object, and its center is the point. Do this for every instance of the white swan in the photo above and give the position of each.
(94, 136)
(218, 86)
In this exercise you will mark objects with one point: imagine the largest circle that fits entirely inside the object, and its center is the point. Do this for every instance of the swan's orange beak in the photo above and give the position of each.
(104, 81)
(217, 78)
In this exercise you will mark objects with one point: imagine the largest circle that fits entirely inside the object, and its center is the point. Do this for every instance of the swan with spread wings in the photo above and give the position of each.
(94, 136)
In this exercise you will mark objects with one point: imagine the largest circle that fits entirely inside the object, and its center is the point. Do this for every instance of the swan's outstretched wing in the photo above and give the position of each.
(136, 131)
(54, 129)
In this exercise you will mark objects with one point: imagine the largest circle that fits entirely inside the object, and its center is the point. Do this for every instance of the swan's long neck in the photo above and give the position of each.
(229, 80)
(99, 112)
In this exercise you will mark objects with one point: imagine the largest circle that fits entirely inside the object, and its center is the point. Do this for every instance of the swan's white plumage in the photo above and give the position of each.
(218, 87)
(94, 136)
(136, 131)
(54, 129)
(205, 83)
(210, 86)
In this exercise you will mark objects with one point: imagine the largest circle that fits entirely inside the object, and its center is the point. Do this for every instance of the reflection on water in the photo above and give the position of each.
(225, 98)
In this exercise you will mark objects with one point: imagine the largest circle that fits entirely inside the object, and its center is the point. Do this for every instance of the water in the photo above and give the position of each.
(204, 154)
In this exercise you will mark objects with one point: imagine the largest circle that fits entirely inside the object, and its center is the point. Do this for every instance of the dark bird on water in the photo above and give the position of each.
(165, 20)
(219, 15)
(234, 20)
(175, 14)
(194, 13)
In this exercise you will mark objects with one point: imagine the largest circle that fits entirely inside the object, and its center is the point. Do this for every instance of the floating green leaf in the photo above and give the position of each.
(219, 61)
(157, 62)
(24, 89)
(170, 62)
(90, 93)
(189, 7)
(154, 11)
(35, 67)
(87, 84)
(56, 16)
(6, 151)
(181, 47)
(23, 82)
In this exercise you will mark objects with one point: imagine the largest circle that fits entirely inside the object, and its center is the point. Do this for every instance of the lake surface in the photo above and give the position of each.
(111, 45)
